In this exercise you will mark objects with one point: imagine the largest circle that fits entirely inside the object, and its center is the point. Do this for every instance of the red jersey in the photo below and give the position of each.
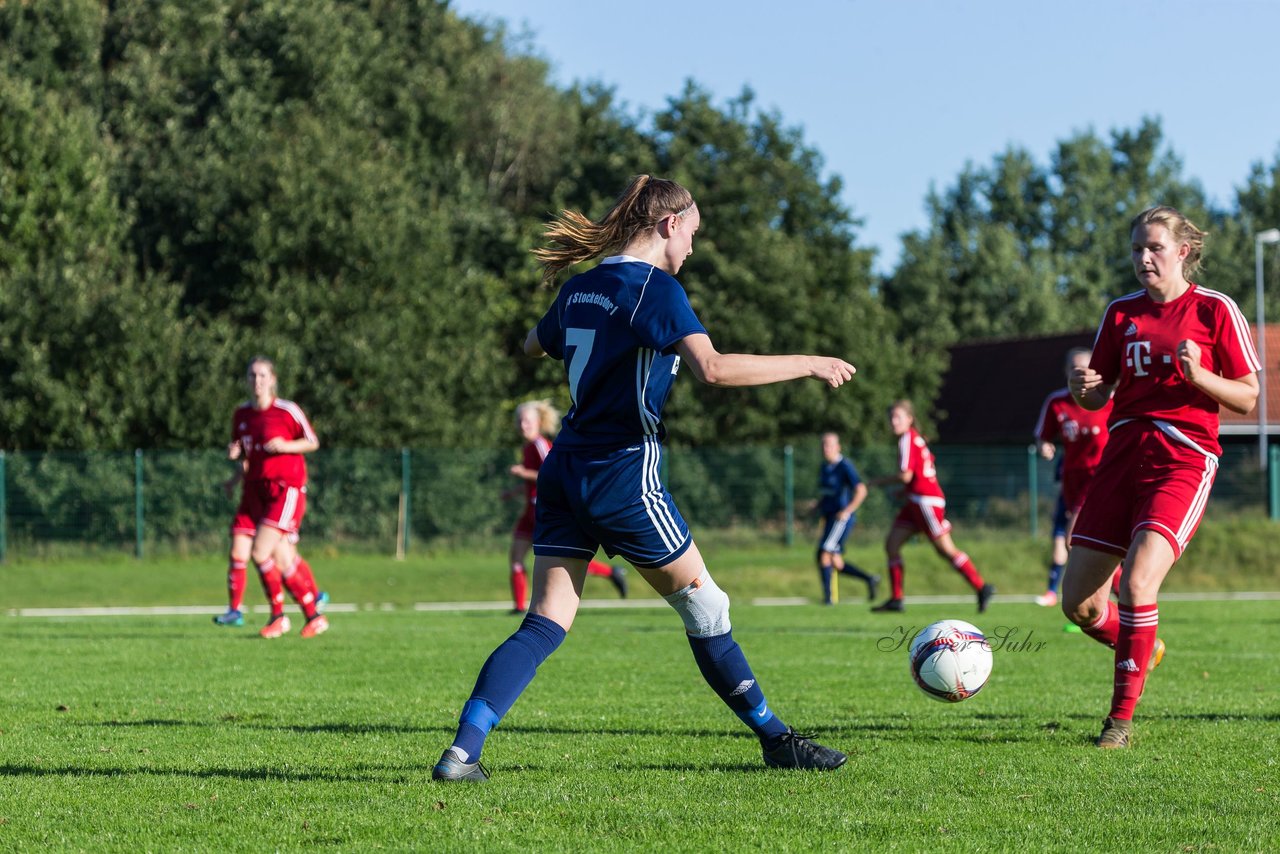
(253, 427)
(914, 456)
(1083, 433)
(534, 453)
(1136, 347)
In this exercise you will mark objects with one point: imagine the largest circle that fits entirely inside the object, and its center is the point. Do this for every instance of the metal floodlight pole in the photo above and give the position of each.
(1271, 235)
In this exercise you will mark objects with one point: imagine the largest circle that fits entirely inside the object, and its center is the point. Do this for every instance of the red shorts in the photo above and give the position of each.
(1147, 479)
(265, 502)
(926, 514)
(1075, 485)
(524, 525)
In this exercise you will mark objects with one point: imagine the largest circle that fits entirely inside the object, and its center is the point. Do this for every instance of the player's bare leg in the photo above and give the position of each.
(557, 588)
(1086, 588)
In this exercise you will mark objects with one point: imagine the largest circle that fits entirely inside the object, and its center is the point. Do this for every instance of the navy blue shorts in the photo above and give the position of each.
(834, 532)
(614, 500)
(1060, 517)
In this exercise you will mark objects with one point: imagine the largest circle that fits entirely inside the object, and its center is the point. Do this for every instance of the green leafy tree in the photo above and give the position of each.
(87, 348)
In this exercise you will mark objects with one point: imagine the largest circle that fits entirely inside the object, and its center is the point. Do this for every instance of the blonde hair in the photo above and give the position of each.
(1181, 230)
(548, 415)
(643, 204)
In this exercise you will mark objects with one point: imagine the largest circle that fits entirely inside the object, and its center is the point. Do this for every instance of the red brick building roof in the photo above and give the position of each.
(1247, 425)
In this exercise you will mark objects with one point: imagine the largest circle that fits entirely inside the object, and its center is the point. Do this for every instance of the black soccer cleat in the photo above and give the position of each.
(618, 576)
(894, 605)
(873, 587)
(794, 750)
(984, 596)
(451, 768)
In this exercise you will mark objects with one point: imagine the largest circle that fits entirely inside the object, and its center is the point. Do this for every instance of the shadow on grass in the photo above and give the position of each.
(985, 728)
(391, 775)
(98, 637)
(895, 730)
(242, 723)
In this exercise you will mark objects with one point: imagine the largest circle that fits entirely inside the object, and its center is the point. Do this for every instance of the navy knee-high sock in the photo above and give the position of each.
(856, 571)
(1055, 576)
(508, 671)
(725, 668)
(825, 573)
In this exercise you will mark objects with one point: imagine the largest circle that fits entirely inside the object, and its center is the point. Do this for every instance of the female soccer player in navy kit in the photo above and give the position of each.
(271, 435)
(538, 421)
(841, 494)
(623, 329)
(924, 510)
(1173, 353)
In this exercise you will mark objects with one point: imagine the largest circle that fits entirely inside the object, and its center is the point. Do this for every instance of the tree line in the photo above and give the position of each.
(353, 188)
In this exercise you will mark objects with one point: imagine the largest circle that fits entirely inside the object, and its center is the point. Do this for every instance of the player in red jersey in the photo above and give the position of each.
(241, 546)
(538, 421)
(1083, 434)
(270, 435)
(1172, 354)
(923, 511)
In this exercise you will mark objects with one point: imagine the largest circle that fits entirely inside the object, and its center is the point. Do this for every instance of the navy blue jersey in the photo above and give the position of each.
(836, 482)
(615, 328)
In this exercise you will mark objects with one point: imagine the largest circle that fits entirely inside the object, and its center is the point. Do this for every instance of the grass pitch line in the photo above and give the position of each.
(779, 601)
(158, 610)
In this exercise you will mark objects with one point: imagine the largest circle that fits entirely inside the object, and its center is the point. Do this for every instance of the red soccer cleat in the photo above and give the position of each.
(317, 625)
(278, 626)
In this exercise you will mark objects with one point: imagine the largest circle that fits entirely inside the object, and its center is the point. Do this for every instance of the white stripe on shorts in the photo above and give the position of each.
(832, 542)
(651, 495)
(925, 502)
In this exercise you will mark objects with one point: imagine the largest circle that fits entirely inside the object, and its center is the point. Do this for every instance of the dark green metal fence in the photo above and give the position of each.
(393, 500)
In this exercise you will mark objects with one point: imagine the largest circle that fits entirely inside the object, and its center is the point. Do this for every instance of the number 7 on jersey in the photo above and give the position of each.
(581, 340)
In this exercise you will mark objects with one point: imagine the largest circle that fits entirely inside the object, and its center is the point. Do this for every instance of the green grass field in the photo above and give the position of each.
(164, 733)
(1228, 554)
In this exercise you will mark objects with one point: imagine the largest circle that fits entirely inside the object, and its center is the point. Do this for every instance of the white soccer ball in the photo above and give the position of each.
(950, 660)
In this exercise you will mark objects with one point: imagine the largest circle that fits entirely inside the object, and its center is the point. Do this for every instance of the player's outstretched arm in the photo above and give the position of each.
(742, 369)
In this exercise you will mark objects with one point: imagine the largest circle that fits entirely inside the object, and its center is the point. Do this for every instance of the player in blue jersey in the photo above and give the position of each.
(840, 494)
(623, 329)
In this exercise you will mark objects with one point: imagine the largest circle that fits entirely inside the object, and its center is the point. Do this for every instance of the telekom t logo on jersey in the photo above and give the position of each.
(1138, 357)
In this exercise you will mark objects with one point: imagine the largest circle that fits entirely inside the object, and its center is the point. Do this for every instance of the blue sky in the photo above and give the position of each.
(898, 96)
